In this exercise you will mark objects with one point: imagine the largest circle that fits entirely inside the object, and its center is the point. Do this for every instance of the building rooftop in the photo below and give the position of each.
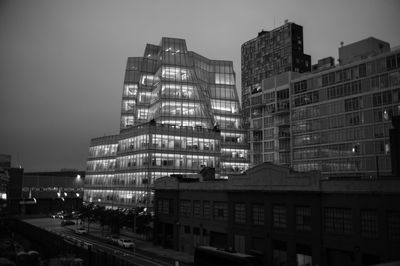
(271, 177)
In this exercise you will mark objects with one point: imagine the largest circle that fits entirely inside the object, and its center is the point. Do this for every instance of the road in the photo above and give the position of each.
(86, 240)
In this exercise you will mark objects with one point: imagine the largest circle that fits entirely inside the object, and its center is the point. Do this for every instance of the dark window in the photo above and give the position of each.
(351, 104)
(206, 209)
(196, 208)
(279, 254)
(240, 213)
(258, 214)
(362, 70)
(185, 208)
(369, 224)
(279, 216)
(220, 211)
(377, 99)
(258, 244)
(303, 218)
(393, 218)
(391, 62)
(338, 221)
(187, 229)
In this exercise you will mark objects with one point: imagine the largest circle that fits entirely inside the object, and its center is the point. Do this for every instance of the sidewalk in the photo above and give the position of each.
(147, 246)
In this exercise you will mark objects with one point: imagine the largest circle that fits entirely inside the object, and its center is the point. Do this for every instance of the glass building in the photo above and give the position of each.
(180, 114)
(335, 119)
(269, 54)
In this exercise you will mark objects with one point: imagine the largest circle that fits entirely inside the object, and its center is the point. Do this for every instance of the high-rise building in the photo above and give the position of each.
(338, 117)
(269, 54)
(180, 114)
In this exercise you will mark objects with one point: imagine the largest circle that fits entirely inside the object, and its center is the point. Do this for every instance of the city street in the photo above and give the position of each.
(93, 241)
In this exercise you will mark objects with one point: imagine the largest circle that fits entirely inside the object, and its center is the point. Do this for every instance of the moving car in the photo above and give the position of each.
(126, 243)
(67, 222)
(113, 239)
(80, 231)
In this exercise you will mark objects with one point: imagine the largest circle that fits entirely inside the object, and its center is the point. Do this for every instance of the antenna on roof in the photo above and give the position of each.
(341, 44)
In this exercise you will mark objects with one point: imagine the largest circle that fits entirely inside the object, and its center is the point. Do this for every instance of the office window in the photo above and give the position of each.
(220, 211)
(338, 221)
(369, 224)
(185, 208)
(303, 218)
(240, 213)
(258, 214)
(196, 208)
(206, 209)
(279, 216)
(393, 220)
(269, 145)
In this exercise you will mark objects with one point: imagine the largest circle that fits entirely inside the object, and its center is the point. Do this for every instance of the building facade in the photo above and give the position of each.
(282, 217)
(269, 54)
(335, 119)
(180, 113)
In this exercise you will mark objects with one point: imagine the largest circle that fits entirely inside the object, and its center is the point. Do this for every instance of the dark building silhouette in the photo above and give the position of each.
(283, 217)
(395, 145)
(43, 192)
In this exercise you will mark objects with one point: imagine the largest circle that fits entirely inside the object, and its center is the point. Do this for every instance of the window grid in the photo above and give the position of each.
(258, 214)
(338, 221)
(185, 208)
(220, 211)
(240, 213)
(369, 224)
(303, 218)
(206, 209)
(394, 225)
(279, 216)
(196, 208)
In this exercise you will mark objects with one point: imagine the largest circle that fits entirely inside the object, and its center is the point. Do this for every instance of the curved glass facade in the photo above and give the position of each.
(179, 113)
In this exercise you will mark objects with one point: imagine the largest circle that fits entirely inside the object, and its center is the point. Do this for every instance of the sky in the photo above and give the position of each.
(62, 62)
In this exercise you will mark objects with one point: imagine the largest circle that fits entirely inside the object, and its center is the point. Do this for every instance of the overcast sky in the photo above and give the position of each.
(62, 62)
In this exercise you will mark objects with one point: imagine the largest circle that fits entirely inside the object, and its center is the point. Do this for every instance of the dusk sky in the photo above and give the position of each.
(62, 62)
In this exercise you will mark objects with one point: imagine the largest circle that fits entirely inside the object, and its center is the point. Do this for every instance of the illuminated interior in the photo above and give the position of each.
(179, 113)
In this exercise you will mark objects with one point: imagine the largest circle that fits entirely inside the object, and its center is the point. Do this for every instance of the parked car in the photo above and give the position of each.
(67, 222)
(57, 214)
(113, 239)
(126, 243)
(80, 231)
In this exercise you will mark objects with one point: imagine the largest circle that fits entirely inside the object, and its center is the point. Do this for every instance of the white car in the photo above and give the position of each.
(80, 231)
(126, 243)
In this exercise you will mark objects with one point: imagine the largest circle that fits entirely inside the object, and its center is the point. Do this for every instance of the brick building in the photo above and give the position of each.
(282, 216)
